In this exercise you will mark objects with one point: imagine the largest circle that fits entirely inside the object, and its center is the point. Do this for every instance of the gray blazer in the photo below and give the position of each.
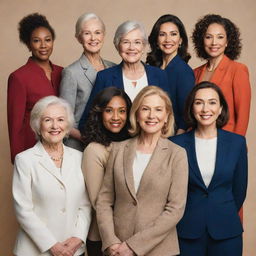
(76, 85)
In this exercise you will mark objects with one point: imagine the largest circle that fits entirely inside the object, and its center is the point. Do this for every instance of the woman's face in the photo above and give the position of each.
(54, 124)
(92, 36)
(206, 107)
(215, 40)
(114, 115)
(152, 115)
(169, 39)
(131, 47)
(41, 44)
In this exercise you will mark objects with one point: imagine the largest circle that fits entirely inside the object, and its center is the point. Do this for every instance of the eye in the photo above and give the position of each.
(98, 32)
(161, 34)
(213, 102)
(48, 39)
(108, 110)
(125, 42)
(139, 42)
(61, 119)
(144, 108)
(207, 37)
(174, 34)
(197, 102)
(122, 111)
(35, 40)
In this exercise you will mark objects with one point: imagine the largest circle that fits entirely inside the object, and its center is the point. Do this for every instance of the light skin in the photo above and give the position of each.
(41, 46)
(168, 41)
(215, 43)
(131, 48)
(114, 115)
(206, 110)
(54, 127)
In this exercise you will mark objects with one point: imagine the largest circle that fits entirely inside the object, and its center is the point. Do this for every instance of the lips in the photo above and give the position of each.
(205, 117)
(55, 132)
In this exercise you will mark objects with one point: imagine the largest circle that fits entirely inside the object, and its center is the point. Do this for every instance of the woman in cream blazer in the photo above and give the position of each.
(144, 189)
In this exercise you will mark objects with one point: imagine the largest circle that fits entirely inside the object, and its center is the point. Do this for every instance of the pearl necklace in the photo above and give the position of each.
(56, 159)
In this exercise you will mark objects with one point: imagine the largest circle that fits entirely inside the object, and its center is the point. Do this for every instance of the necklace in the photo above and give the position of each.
(56, 159)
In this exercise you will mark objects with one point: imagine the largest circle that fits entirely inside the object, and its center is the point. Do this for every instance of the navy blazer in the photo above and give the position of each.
(215, 208)
(114, 77)
(181, 81)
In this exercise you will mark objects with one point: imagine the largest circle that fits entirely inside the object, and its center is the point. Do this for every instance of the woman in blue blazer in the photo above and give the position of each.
(131, 74)
(217, 177)
(169, 43)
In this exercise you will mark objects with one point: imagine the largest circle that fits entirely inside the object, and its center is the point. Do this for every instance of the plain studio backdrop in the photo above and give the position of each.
(62, 15)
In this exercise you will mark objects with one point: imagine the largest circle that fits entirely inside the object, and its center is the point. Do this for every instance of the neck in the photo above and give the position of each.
(93, 57)
(53, 148)
(147, 142)
(45, 64)
(167, 59)
(206, 132)
(214, 62)
(133, 67)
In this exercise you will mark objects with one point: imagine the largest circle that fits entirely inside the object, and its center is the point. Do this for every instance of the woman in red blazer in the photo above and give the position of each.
(217, 40)
(36, 79)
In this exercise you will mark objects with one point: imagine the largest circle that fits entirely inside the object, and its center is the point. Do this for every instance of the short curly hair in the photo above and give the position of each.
(234, 46)
(31, 22)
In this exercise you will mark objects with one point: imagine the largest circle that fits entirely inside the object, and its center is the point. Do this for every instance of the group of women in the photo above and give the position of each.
(146, 191)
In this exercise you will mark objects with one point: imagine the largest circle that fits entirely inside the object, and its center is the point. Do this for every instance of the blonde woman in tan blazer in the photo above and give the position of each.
(110, 108)
(145, 186)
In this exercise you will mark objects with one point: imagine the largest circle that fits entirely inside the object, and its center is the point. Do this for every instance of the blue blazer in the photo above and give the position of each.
(181, 81)
(114, 77)
(215, 208)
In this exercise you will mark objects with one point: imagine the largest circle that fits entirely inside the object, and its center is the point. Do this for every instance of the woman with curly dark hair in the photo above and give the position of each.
(217, 40)
(36, 79)
(169, 44)
(107, 122)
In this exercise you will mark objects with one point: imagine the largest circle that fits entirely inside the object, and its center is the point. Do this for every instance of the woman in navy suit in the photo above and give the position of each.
(217, 177)
(169, 43)
(131, 74)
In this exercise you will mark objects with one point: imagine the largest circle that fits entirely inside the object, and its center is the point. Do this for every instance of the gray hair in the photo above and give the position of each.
(85, 17)
(127, 27)
(40, 107)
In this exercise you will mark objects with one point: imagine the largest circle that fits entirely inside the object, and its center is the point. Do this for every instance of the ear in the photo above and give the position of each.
(220, 110)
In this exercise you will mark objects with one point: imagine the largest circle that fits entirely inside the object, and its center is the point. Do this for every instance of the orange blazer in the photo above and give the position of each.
(233, 79)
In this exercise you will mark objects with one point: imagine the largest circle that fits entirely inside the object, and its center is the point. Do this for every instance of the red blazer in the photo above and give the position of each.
(26, 86)
(233, 79)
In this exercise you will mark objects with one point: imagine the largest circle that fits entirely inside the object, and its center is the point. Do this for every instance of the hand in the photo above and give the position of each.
(60, 250)
(124, 250)
(72, 244)
(112, 249)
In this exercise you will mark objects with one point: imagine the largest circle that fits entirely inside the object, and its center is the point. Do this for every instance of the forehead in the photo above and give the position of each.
(216, 28)
(206, 93)
(168, 26)
(41, 31)
(116, 102)
(54, 110)
(92, 24)
(153, 100)
(134, 34)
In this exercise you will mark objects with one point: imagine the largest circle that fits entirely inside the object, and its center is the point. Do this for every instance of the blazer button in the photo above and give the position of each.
(134, 203)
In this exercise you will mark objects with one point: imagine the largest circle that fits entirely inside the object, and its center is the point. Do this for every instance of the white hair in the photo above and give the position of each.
(40, 107)
(127, 27)
(85, 17)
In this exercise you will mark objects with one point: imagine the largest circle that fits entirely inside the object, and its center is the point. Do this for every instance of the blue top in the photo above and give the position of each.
(181, 81)
(215, 208)
(114, 77)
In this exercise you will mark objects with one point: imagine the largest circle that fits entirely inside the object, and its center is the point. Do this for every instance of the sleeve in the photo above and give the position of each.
(24, 207)
(98, 86)
(242, 99)
(93, 169)
(185, 83)
(240, 178)
(83, 218)
(68, 88)
(104, 206)
(16, 108)
(157, 230)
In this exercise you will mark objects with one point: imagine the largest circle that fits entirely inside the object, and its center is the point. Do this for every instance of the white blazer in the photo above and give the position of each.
(51, 204)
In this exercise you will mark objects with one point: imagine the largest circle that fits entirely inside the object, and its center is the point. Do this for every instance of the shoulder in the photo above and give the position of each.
(153, 69)
(108, 63)
(238, 66)
(110, 70)
(57, 67)
(96, 148)
(231, 136)
(199, 69)
(73, 66)
(20, 71)
(73, 153)
(172, 146)
(181, 138)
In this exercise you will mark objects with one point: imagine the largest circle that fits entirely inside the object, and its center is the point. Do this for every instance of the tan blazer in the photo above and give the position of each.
(51, 205)
(94, 163)
(146, 220)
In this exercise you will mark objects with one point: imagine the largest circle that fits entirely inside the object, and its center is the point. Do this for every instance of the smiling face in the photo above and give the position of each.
(206, 107)
(92, 36)
(169, 39)
(131, 47)
(114, 115)
(54, 124)
(41, 44)
(215, 40)
(152, 115)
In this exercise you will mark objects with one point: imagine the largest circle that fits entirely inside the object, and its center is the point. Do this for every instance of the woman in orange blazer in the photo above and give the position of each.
(145, 186)
(217, 40)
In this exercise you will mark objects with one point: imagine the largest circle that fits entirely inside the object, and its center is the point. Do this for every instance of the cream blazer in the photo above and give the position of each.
(51, 204)
(146, 220)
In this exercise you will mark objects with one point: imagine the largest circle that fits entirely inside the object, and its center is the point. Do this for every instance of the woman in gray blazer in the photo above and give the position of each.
(79, 77)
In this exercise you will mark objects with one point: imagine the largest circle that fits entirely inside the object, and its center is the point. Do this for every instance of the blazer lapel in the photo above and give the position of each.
(118, 76)
(129, 155)
(89, 71)
(46, 162)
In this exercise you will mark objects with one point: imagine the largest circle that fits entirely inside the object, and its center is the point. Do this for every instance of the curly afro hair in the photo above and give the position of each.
(234, 46)
(31, 22)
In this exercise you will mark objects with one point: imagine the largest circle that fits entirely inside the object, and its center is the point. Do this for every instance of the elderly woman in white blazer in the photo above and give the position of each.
(50, 198)
(79, 77)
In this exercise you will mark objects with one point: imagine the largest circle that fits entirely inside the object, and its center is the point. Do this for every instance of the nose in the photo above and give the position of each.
(151, 114)
(42, 45)
(115, 115)
(54, 124)
(214, 40)
(205, 107)
(93, 36)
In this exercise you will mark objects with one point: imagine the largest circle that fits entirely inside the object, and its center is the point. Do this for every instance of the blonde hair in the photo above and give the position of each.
(168, 129)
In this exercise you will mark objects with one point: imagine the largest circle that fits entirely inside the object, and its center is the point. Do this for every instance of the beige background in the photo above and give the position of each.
(62, 15)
